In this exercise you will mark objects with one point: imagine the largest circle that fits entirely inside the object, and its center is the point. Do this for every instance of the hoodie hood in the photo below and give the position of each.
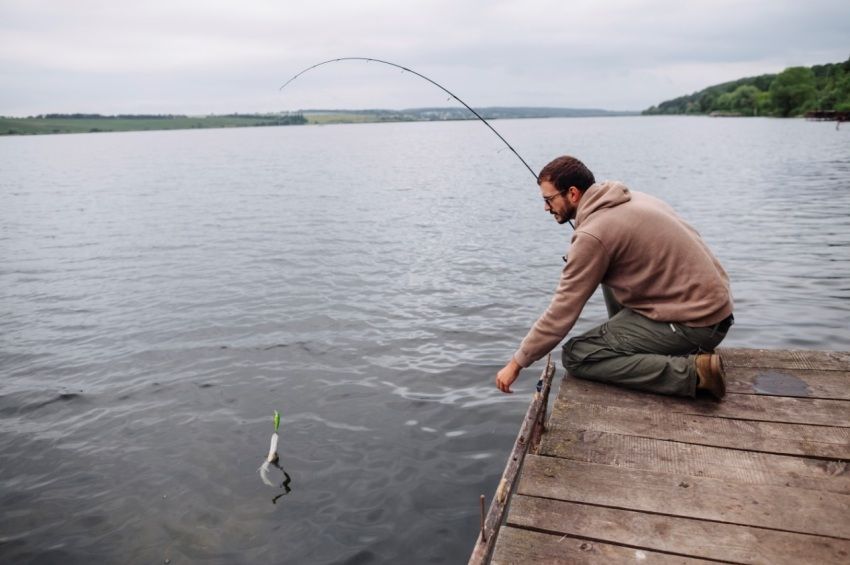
(601, 195)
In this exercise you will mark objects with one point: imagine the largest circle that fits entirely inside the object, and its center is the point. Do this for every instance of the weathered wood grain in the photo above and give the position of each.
(810, 411)
(624, 476)
(789, 509)
(769, 437)
(696, 460)
(786, 359)
(699, 538)
(789, 382)
(521, 547)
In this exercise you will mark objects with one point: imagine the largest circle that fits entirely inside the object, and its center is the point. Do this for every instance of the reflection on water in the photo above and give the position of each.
(285, 481)
(158, 289)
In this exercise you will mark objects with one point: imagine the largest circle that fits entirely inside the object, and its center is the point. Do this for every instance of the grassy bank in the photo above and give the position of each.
(42, 125)
(351, 118)
(37, 125)
(91, 123)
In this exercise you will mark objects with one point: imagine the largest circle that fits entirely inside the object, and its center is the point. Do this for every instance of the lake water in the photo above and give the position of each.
(162, 293)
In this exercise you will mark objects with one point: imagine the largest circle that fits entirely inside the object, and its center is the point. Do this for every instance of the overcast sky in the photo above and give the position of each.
(210, 56)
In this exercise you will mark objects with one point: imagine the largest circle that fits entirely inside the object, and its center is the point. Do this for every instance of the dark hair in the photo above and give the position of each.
(565, 172)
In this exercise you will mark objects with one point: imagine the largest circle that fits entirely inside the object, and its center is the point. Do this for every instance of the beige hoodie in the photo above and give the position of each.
(654, 262)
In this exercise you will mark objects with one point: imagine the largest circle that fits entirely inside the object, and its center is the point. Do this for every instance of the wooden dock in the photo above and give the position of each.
(623, 476)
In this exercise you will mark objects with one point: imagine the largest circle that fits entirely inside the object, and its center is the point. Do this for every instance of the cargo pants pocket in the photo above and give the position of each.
(594, 345)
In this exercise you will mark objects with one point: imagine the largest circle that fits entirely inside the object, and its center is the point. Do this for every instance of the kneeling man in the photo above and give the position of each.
(674, 296)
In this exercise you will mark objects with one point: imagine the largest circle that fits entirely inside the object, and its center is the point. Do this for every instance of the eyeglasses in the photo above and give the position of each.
(548, 199)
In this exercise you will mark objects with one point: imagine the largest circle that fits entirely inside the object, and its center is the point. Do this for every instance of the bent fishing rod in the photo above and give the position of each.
(435, 83)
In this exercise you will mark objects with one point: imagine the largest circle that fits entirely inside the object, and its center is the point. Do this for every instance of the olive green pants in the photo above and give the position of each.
(633, 351)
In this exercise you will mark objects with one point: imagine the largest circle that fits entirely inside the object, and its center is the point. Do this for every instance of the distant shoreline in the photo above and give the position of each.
(97, 123)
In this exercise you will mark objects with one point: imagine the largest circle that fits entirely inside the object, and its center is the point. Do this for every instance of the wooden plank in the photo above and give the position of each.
(710, 540)
(789, 509)
(697, 460)
(786, 359)
(518, 546)
(769, 437)
(789, 382)
(738, 406)
(762, 477)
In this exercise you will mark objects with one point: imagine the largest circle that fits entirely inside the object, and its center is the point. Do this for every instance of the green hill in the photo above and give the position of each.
(792, 92)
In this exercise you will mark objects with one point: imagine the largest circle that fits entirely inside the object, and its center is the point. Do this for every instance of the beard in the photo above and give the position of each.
(561, 218)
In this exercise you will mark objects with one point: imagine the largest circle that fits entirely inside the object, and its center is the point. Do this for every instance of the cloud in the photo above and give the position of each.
(193, 56)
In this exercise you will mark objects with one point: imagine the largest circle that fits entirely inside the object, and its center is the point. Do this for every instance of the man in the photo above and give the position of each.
(675, 296)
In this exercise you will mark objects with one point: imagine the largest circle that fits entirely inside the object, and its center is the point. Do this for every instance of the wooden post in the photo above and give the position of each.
(483, 517)
(540, 423)
(490, 529)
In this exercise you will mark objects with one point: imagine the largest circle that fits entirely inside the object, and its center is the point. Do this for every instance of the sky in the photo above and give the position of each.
(211, 56)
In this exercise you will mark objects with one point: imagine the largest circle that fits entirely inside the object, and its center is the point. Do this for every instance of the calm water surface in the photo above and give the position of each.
(162, 293)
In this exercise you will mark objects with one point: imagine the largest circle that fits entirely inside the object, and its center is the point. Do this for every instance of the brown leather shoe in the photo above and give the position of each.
(711, 374)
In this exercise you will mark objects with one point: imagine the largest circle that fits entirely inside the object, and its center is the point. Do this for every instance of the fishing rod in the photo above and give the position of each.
(435, 83)
(610, 302)
(420, 75)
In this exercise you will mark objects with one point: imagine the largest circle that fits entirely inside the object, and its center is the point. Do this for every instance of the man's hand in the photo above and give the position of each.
(508, 374)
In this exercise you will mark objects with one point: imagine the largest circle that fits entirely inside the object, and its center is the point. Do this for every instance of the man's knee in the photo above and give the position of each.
(583, 352)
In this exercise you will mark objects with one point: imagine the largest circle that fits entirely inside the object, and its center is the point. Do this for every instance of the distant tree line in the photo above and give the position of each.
(793, 92)
(287, 120)
(79, 116)
(269, 119)
(258, 119)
